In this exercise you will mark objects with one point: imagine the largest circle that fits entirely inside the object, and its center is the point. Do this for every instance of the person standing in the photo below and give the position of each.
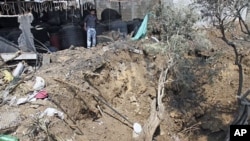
(89, 26)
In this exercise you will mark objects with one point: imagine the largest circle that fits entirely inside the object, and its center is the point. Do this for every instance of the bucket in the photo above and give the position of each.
(118, 25)
(40, 34)
(71, 35)
(100, 28)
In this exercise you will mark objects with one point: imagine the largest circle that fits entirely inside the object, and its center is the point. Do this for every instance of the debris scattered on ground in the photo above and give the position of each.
(52, 112)
(95, 94)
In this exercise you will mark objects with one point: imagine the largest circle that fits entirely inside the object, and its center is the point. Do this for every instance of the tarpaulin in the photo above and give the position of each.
(26, 39)
(7, 46)
(142, 29)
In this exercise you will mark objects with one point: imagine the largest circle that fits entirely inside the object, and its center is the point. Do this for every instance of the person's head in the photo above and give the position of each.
(92, 11)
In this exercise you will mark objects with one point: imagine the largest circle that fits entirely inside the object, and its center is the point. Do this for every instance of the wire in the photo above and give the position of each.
(43, 46)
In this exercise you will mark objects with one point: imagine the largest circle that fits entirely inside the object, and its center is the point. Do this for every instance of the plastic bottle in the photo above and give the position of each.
(8, 138)
(18, 70)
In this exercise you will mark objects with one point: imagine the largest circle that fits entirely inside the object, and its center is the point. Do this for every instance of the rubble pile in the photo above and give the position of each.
(96, 94)
(62, 90)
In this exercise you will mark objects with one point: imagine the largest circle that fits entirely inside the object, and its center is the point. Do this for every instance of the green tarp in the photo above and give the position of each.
(142, 30)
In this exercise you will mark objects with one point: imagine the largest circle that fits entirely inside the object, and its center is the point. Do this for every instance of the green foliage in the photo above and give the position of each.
(177, 21)
(172, 21)
(178, 38)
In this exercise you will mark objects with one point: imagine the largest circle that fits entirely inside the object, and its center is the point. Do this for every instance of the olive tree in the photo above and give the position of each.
(225, 13)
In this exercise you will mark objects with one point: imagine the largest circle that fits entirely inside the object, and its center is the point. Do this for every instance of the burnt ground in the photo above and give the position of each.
(200, 109)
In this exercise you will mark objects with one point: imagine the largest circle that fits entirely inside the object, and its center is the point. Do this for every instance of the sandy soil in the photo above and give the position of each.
(128, 81)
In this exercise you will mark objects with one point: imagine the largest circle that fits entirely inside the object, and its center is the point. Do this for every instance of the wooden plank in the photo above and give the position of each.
(46, 59)
(23, 56)
(8, 16)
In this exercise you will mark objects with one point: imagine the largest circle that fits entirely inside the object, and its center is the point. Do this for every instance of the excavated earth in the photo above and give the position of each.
(128, 81)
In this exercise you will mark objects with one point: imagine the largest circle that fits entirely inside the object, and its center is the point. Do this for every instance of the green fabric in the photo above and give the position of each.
(142, 30)
(8, 138)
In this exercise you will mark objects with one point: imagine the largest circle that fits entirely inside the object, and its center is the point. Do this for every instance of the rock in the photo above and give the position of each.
(199, 112)
(9, 119)
(106, 48)
(175, 114)
(34, 106)
(46, 59)
(133, 99)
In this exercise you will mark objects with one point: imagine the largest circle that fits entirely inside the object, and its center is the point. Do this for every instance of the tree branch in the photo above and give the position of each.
(157, 108)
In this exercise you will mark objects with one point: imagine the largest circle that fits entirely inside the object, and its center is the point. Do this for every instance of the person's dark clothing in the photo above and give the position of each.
(90, 21)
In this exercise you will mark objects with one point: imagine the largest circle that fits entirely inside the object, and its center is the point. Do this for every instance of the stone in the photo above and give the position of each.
(175, 114)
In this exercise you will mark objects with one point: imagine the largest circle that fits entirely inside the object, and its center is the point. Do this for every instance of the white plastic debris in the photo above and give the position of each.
(29, 98)
(12, 101)
(155, 39)
(18, 70)
(39, 84)
(52, 112)
(137, 128)
(136, 51)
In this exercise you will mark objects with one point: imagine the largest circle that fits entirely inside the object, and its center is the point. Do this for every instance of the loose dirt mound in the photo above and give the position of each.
(128, 81)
